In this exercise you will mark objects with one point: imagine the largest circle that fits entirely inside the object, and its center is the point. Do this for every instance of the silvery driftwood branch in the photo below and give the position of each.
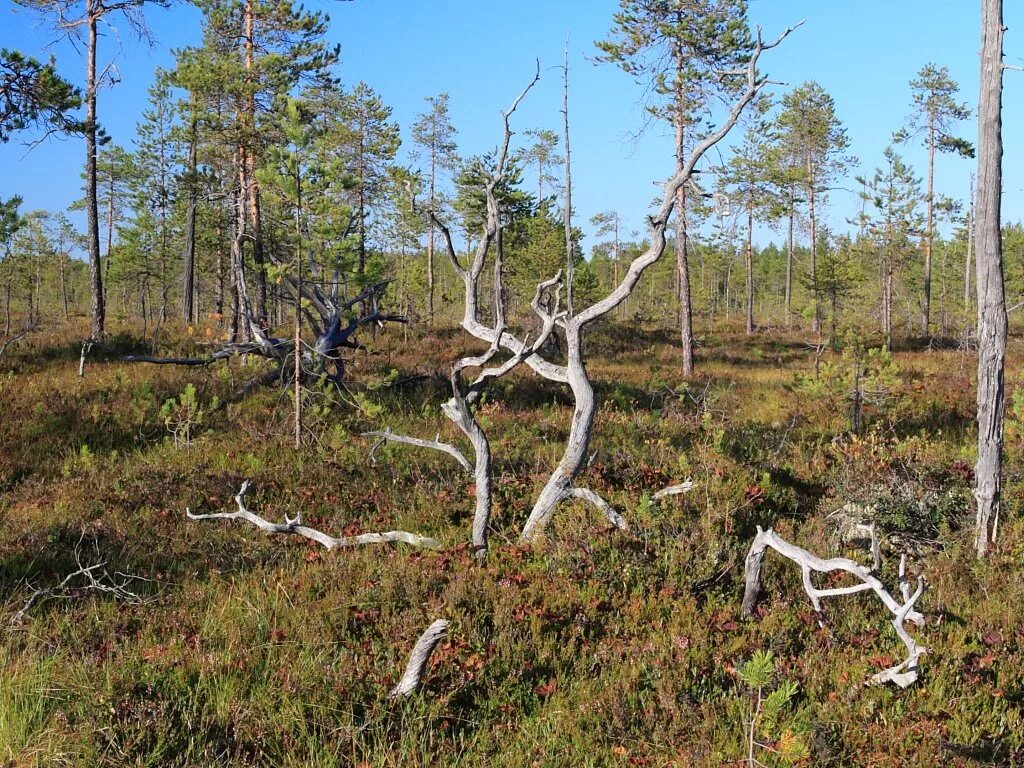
(418, 659)
(296, 527)
(903, 674)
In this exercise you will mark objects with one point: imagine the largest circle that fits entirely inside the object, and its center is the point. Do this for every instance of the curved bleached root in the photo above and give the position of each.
(904, 673)
(296, 527)
(418, 659)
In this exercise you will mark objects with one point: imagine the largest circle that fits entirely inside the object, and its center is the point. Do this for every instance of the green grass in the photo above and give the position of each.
(591, 648)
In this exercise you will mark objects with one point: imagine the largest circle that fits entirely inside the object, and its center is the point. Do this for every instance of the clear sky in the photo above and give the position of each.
(482, 52)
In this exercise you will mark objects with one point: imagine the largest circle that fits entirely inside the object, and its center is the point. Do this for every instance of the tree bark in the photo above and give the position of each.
(991, 293)
(91, 204)
(189, 260)
(750, 266)
(682, 257)
(926, 310)
(789, 262)
(812, 220)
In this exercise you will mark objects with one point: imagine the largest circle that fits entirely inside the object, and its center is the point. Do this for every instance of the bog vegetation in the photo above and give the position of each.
(684, 500)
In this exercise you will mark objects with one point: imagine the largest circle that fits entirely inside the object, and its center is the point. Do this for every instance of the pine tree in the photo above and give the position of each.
(748, 172)
(32, 94)
(683, 51)
(896, 195)
(936, 110)
(373, 143)
(811, 130)
(158, 164)
(434, 144)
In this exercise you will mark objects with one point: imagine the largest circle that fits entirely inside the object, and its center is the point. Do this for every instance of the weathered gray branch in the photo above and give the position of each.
(388, 436)
(295, 527)
(418, 659)
(674, 490)
(903, 674)
(585, 494)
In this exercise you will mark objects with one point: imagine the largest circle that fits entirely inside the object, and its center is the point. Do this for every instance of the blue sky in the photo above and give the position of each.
(482, 52)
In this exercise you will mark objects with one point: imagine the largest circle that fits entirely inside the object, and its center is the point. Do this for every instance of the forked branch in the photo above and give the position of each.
(902, 674)
(296, 527)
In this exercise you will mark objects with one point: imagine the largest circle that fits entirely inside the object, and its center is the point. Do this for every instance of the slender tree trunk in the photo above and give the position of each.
(749, 258)
(188, 312)
(991, 294)
(63, 286)
(218, 288)
(110, 227)
(249, 158)
(812, 220)
(430, 236)
(926, 315)
(682, 257)
(887, 303)
(298, 311)
(91, 205)
(967, 266)
(789, 262)
(570, 265)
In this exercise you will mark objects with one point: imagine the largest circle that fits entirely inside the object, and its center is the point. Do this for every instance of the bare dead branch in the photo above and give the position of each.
(17, 337)
(388, 436)
(585, 494)
(92, 578)
(418, 659)
(674, 490)
(296, 527)
(902, 674)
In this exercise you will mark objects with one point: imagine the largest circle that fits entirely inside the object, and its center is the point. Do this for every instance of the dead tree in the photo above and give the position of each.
(331, 321)
(989, 269)
(460, 409)
(560, 485)
(902, 674)
(546, 305)
(15, 338)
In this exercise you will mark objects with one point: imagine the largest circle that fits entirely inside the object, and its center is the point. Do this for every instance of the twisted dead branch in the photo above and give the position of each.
(296, 527)
(387, 436)
(418, 659)
(903, 674)
(92, 578)
(333, 334)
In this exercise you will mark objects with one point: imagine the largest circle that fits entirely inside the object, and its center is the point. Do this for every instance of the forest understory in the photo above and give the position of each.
(590, 647)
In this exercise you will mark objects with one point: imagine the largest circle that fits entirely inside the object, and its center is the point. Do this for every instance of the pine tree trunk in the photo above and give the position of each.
(789, 263)
(750, 266)
(91, 204)
(816, 325)
(989, 267)
(188, 313)
(926, 316)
